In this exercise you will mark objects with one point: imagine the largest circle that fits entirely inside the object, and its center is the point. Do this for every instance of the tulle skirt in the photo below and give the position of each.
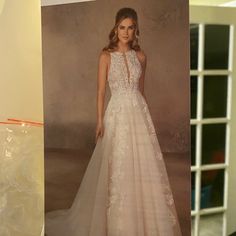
(125, 190)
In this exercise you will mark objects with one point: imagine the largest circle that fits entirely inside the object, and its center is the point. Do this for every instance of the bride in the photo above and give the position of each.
(125, 190)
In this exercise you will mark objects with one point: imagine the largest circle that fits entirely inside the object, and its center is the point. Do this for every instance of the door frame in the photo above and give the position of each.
(224, 15)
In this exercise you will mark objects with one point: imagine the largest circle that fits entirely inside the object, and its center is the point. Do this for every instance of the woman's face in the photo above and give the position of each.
(126, 30)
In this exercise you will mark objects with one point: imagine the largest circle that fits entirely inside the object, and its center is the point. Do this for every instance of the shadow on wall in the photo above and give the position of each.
(2, 3)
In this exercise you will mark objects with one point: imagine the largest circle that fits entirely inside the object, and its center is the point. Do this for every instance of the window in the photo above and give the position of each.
(211, 78)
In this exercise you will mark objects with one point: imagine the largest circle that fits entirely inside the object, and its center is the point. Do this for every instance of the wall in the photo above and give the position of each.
(21, 97)
(209, 2)
(20, 61)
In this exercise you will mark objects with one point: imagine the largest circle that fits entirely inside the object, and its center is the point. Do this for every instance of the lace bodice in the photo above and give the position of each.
(124, 73)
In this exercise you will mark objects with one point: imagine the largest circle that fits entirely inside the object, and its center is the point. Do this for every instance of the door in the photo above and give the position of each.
(213, 120)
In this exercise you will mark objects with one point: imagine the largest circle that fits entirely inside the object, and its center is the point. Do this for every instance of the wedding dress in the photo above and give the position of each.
(125, 190)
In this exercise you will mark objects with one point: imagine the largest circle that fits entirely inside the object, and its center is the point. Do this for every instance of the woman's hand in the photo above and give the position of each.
(99, 130)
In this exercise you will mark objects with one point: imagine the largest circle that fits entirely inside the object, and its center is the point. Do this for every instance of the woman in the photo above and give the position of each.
(125, 190)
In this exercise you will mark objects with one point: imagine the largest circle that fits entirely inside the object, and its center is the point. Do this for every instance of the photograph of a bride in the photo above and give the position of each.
(125, 189)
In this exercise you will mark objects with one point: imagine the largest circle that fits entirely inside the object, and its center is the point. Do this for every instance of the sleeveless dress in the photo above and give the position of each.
(125, 190)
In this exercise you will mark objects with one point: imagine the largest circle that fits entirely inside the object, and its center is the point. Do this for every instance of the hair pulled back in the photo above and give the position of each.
(122, 14)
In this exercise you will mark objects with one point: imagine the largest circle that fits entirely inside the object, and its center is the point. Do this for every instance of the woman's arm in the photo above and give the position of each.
(143, 61)
(101, 89)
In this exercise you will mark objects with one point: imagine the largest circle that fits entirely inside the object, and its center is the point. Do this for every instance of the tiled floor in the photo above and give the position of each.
(64, 170)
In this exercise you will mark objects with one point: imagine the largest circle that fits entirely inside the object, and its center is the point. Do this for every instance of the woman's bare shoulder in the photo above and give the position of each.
(141, 56)
(104, 56)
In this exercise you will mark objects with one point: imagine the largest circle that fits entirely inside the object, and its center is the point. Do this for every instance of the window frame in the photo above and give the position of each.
(201, 17)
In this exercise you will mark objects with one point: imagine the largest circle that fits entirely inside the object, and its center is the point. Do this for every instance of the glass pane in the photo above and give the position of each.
(193, 96)
(192, 225)
(193, 190)
(194, 46)
(216, 46)
(215, 96)
(213, 143)
(212, 188)
(211, 225)
(193, 145)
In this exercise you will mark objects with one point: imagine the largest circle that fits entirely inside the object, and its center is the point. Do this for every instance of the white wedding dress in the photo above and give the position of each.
(125, 190)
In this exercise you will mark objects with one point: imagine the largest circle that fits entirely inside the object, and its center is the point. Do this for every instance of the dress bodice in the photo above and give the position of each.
(124, 73)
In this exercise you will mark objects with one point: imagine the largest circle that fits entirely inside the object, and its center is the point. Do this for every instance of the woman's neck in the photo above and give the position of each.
(123, 48)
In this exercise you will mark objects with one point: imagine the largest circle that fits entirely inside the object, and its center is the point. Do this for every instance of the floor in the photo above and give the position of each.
(64, 171)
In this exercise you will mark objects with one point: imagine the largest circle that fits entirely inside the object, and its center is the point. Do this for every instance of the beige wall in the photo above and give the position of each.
(21, 175)
(73, 36)
(20, 60)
